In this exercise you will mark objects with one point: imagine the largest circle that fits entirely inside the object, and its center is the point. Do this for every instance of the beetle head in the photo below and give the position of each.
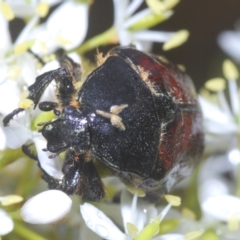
(70, 130)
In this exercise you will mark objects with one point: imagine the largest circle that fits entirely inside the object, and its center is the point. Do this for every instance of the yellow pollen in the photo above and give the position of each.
(132, 229)
(6, 11)
(23, 47)
(176, 40)
(25, 103)
(11, 199)
(173, 200)
(42, 45)
(50, 58)
(169, 4)
(13, 72)
(62, 41)
(24, 95)
(215, 84)
(159, 6)
(189, 214)
(138, 192)
(42, 9)
(230, 71)
(233, 223)
(181, 67)
(156, 6)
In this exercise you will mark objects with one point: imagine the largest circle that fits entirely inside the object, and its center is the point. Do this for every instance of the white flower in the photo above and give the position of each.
(125, 20)
(65, 28)
(229, 41)
(6, 223)
(173, 236)
(98, 222)
(222, 126)
(222, 207)
(17, 70)
(221, 120)
(23, 9)
(47, 207)
(135, 217)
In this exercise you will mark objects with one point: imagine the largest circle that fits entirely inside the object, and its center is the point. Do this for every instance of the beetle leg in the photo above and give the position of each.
(27, 151)
(73, 67)
(81, 177)
(53, 183)
(92, 186)
(61, 76)
(10, 116)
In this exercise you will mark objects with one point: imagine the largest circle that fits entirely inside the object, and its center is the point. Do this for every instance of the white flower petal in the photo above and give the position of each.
(66, 15)
(212, 187)
(98, 222)
(137, 217)
(215, 167)
(49, 67)
(23, 8)
(41, 37)
(10, 100)
(215, 143)
(6, 223)
(119, 11)
(126, 206)
(152, 36)
(135, 18)
(46, 207)
(171, 236)
(229, 41)
(75, 57)
(133, 6)
(215, 120)
(143, 45)
(28, 69)
(234, 156)
(24, 35)
(5, 40)
(16, 134)
(3, 140)
(51, 166)
(222, 207)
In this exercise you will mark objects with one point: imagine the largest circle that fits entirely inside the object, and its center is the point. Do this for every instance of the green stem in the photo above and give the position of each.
(9, 155)
(25, 232)
(191, 194)
(238, 181)
(107, 37)
(28, 181)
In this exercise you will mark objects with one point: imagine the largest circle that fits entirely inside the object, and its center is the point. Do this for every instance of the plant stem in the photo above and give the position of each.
(9, 155)
(107, 37)
(25, 232)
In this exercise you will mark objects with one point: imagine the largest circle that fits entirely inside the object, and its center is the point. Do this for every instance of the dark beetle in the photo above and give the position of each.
(136, 114)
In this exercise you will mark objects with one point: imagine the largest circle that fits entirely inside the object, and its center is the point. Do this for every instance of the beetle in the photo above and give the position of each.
(137, 114)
